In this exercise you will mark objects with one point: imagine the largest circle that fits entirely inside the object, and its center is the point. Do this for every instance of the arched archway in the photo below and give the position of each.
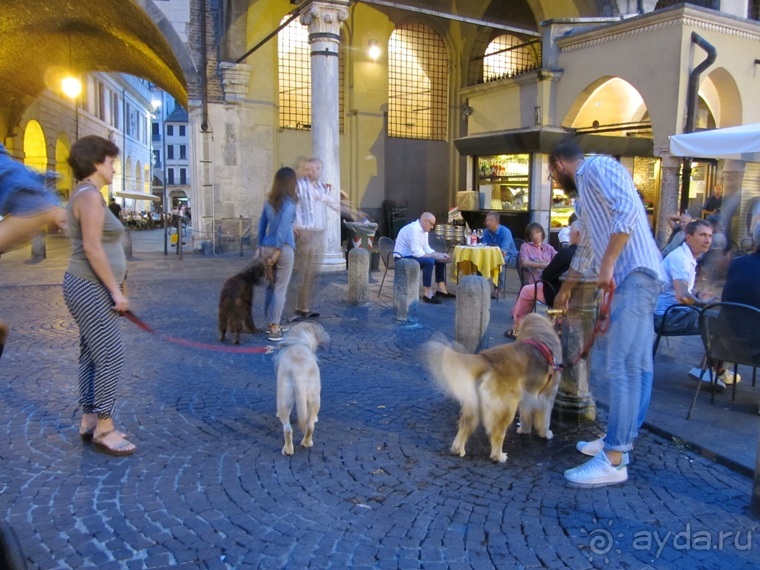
(172, 37)
(608, 101)
(146, 179)
(65, 182)
(129, 174)
(35, 147)
(118, 176)
(138, 187)
(722, 98)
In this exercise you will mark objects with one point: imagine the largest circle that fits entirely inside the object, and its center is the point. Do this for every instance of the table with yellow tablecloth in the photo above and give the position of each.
(469, 259)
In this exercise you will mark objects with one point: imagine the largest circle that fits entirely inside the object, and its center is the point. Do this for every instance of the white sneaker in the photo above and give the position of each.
(728, 377)
(598, 471)
(695, 372)
(591, 448)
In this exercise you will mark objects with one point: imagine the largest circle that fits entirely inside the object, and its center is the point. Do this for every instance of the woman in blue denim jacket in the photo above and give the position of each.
(277, 244)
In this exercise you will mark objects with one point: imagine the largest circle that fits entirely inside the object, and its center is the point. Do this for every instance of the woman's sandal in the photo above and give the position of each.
(511, 333)
(120, 449)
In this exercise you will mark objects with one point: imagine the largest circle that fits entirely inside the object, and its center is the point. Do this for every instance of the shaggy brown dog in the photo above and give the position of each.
(492, 384)
(236, 301)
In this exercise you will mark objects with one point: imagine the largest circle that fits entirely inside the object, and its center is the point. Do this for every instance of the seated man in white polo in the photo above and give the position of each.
(680, 269)
(412, 242)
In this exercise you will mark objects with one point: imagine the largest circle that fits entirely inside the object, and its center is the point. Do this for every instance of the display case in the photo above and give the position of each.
(503, 181)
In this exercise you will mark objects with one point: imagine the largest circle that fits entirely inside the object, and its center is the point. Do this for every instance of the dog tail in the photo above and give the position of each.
(302, 405)
(456, 373)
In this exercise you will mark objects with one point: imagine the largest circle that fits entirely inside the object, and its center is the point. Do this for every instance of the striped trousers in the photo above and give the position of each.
(101, 348)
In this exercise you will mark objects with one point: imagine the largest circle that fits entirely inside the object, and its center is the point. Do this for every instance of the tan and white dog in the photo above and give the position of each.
(298, 380)
(493, 384)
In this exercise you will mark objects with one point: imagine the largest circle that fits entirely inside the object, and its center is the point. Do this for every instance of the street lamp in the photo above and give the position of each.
(71, 87)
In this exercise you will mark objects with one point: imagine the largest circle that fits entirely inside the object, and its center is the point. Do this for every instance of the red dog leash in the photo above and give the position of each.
(131, 317)
(601, 326)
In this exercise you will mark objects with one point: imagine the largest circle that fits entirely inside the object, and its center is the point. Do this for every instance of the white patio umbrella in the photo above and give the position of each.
(738, 143)
(137, 196)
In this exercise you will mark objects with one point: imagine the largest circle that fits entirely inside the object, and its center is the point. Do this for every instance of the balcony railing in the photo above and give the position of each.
(510, 61)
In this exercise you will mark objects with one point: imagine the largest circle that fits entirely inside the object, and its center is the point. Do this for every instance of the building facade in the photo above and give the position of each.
(112, 106)
(463, 97)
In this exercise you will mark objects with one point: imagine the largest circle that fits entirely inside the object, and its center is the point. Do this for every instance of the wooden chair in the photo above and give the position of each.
(386, 246)
(730, 333)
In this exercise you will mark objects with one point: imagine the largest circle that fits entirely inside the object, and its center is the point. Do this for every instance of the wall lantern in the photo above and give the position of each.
(373, 50)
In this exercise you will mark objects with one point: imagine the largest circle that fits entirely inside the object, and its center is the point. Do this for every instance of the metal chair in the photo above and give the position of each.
(511, 261)
(539, 306)
(386, 245)
(730, 333)
(662, 330)
(437, 242)
(524, 273)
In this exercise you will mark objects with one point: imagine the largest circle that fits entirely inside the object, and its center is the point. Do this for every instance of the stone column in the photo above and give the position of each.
(731, 215)
(540, 192)
(670, 169)
(39, 249)
(324, 19)
(473, 312)
(406, 290)
(358, 276)
(574, 403)
(235, 80)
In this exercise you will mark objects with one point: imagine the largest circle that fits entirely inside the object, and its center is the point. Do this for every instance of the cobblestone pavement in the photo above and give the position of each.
(209, 488)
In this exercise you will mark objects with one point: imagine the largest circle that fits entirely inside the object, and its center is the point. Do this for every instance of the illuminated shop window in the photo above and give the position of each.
(508, 55)
(294, 58)
(418, 74)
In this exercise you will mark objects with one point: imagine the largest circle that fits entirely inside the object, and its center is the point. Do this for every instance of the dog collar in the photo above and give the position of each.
(545, 352)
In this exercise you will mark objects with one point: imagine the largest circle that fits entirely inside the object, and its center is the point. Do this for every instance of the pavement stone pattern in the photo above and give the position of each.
(209, 488)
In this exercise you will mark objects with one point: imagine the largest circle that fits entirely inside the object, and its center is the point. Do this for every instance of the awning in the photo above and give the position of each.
(137, 196)
(544, 139)
(738, 143)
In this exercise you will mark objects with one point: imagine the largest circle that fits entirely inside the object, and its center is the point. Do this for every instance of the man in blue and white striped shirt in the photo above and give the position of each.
(618, 244)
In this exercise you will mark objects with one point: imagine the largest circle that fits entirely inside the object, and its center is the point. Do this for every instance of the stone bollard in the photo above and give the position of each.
(473, 311)
(39, 248)
(574, 403)
(406, 289)
(358, 276)
(126, 241)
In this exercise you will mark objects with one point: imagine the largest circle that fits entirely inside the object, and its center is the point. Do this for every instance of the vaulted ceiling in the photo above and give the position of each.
(44, 39)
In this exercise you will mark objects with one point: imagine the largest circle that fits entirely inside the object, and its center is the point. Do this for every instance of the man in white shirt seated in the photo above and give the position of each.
(412, 242)
(680, 268)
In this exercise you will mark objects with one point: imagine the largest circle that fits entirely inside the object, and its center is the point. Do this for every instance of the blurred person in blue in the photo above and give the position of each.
(26, 206)
(499, 236)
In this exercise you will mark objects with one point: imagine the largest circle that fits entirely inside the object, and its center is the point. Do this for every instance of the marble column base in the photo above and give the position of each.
(570, 409)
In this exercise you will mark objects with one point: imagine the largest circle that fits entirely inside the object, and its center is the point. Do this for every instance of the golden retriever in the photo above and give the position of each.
(493, 384)
(298, 380)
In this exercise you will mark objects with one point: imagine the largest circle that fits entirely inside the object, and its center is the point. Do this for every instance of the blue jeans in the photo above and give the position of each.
(427, 264)
(624, 356)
